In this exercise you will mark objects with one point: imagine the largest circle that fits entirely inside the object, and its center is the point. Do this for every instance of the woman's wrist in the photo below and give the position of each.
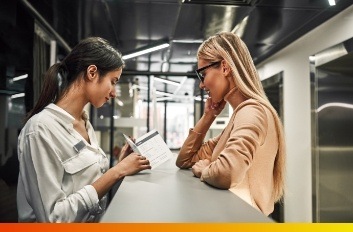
(210, 114)
(117, 172)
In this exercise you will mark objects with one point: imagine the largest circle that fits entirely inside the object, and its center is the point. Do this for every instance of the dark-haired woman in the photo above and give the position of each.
(64, 174)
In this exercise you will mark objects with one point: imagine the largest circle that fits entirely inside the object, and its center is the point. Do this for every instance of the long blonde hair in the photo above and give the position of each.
(229, 47)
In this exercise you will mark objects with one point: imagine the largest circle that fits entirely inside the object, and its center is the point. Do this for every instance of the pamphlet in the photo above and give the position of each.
(152, 146)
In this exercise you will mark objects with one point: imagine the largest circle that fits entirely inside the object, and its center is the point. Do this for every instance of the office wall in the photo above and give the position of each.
(293, 60)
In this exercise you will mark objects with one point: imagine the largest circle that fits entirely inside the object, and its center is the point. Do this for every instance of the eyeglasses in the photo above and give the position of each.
(199, 71)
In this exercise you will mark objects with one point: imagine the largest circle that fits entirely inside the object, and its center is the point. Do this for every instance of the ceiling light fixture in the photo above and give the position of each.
(164, 93)
(147, 49)
(332, 2)
(20, 77)
(187, 41)
(163, 98)
(18, 95)
(166, 81)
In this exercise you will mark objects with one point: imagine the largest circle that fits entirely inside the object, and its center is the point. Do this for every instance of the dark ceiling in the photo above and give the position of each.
(129, 24)
(266, 26)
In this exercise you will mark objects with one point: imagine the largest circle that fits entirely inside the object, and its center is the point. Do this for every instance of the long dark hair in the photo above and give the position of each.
(60, 76)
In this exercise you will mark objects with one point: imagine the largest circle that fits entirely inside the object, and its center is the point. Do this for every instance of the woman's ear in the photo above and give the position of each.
(92, 72)
(225, 68)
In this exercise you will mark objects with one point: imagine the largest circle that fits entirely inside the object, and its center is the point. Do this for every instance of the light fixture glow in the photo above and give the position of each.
(187, 41)
(20, 77)
(164, 99)
(198, 98)
(134, 86)
(119, 102)
(145, 51)
(166, 81)
(332, 2)
(18, 95)
(335, 104)
(164, 93)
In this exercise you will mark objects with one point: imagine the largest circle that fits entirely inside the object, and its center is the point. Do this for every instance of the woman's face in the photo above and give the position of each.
(104, 88)
(215, 83)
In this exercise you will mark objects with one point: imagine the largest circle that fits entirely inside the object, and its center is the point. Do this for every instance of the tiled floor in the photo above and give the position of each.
(8, 209)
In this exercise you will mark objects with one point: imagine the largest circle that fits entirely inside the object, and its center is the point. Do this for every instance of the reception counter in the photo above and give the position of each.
(170, 194)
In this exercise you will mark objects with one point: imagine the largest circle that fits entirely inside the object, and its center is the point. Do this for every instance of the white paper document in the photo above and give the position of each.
(152, 146)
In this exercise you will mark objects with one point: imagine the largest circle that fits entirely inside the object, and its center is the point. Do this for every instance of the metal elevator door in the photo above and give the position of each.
(332, 133)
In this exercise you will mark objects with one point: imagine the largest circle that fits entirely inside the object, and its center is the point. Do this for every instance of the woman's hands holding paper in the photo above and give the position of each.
(125, 151)
(133, 163)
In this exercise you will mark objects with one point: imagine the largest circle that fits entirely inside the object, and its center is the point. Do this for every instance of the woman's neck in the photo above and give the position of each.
(235, 97)
(73, 103)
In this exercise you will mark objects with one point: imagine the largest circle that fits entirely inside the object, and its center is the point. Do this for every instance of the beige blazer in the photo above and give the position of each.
(242, 156)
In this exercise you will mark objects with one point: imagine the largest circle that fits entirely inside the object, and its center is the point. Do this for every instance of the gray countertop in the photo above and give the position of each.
(170, 194)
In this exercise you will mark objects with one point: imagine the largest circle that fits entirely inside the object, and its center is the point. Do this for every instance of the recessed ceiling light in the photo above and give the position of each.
(332, 2)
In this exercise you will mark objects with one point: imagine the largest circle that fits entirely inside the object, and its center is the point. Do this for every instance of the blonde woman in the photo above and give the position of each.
(248, 157)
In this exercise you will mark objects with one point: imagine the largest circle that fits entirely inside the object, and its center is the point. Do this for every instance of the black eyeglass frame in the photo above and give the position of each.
(198, 71)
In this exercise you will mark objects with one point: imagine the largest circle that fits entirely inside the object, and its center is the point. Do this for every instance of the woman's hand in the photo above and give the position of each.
(214, 108)
(133, 164)
(199, 166)
(125, 151)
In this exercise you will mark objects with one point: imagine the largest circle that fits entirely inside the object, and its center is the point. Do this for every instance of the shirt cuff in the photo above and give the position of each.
(91, 199)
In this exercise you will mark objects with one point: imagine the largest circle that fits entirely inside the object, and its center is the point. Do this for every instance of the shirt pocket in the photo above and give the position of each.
(80, 170)
(79, 163)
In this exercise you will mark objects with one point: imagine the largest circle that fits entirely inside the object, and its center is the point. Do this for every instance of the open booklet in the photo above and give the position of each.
(152, 146)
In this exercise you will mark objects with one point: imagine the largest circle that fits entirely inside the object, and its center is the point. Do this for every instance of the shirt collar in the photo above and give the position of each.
(65, 116)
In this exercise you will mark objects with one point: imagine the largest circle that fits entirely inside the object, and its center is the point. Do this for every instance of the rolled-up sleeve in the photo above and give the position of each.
(77, 207)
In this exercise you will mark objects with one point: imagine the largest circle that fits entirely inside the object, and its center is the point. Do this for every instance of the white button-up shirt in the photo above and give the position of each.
(57, 168)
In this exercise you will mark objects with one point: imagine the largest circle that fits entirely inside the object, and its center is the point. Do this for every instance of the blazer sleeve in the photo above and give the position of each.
(247, 134)
(194, 149)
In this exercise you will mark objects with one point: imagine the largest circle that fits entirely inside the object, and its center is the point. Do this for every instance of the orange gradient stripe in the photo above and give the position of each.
(177, 227)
